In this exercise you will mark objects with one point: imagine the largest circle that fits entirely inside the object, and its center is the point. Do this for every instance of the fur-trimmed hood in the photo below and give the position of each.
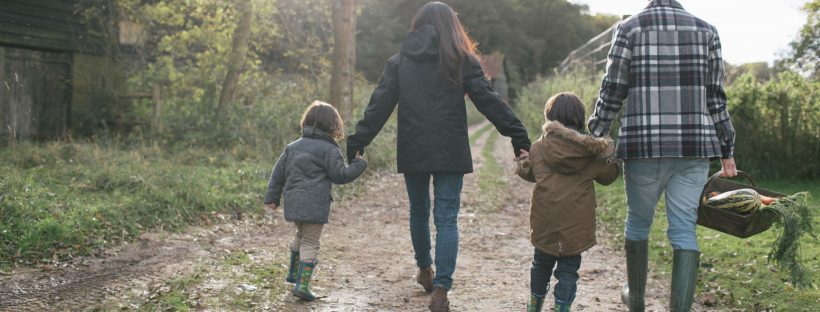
(568, 151)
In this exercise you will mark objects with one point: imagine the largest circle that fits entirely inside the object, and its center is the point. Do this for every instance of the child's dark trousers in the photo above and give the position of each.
(566, 273)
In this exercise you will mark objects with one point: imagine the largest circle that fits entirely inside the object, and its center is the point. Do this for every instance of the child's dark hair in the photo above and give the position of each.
(566, 108)
(325, 117)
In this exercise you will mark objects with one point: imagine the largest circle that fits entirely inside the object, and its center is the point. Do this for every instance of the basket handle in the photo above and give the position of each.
(715, 176)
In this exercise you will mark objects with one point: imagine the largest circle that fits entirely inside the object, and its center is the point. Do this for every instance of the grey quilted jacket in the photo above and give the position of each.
(305, 173)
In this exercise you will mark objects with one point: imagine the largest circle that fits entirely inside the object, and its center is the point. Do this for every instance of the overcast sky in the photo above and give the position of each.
(750, 30)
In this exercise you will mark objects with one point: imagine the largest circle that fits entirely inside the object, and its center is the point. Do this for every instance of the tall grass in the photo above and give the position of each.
(63, 199)
(530, 105)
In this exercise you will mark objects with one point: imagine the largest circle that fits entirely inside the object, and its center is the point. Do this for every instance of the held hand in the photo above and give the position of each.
(358, 155)
(524, 154)
(271, 206)
(728, 167)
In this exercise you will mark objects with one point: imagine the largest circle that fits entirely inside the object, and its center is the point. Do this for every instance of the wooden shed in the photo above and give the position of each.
(50, 68)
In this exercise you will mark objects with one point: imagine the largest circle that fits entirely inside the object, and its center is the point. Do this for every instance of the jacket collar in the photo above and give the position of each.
(599, 147)
(313, 133)
(672, 3)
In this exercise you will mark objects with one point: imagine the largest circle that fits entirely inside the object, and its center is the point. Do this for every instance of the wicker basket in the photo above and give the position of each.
(729, 222)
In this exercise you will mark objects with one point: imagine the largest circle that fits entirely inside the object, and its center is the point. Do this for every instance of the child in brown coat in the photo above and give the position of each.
(563, 163)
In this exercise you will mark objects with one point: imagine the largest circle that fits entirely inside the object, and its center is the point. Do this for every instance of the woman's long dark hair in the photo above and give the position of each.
(455, 46)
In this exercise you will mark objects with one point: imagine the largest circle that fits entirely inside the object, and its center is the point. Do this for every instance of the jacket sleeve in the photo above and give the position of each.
(381, 106)
(490, 104)
(608, 172)
(277, 180)
(716, 99)
(523, 170)
(615, 85)
(338, 171)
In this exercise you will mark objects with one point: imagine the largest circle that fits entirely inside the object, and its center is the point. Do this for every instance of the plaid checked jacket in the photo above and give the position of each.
(667, 64)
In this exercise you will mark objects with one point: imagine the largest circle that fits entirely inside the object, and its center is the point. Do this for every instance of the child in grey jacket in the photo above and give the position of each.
(305, 173)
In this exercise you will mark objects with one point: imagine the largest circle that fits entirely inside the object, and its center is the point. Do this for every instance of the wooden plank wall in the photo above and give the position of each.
(35, 93)
(40, 24)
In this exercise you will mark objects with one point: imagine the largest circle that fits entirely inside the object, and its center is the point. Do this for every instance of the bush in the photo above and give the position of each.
(530, 105)
(777, 121)
(778, 126)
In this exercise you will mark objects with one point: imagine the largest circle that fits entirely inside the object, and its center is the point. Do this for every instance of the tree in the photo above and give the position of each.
(535, 35)
(805, 51)
(344, 56)
(239, 48)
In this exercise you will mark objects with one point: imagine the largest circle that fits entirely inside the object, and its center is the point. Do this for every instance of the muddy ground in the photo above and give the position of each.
(366, 261)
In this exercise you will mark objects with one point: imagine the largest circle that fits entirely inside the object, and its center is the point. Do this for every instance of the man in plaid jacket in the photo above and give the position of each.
(666, 63)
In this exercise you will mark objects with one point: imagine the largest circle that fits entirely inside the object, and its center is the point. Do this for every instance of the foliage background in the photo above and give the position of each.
(120, 177)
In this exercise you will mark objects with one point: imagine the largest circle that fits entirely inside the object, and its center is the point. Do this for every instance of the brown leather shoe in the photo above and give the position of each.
(438, 301)
(425, 278)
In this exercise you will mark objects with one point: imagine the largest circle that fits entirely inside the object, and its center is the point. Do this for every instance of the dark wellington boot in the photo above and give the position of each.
(636, 267)
(684, 278)
(536, 303)
(293, 270)
(302, 287)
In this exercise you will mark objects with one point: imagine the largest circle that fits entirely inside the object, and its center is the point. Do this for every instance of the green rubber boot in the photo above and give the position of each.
(293, 270)
(685, 265)
(634, 290)
(302, 287)
(562, 307)
(535, 304)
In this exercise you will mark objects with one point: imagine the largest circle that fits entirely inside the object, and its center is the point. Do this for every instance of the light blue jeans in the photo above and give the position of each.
(446, 203)
(682, 180)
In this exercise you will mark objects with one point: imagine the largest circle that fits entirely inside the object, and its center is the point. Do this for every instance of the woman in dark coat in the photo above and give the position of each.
(428, 79)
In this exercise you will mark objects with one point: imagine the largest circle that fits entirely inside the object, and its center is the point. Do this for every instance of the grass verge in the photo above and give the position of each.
(490, 176)
(479, 133)
(735, 270)
(61, 200)
(241, 281)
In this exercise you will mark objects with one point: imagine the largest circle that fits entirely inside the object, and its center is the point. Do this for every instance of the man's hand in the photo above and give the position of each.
(358, 155)
(523, 154)
(728, 167)
(271, 206)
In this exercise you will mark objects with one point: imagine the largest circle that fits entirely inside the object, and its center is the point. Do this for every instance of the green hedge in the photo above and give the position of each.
(777, 121)
(778, 126)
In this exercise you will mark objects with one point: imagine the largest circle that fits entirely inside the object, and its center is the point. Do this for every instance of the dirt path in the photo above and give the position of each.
(366, 261)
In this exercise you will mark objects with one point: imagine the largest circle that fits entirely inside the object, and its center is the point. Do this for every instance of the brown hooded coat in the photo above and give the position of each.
(564, 163)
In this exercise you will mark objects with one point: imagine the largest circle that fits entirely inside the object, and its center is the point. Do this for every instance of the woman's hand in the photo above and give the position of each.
(358, 155)
(524, 154)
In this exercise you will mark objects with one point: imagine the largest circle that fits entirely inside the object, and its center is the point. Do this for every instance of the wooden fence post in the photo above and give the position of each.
(156, 122)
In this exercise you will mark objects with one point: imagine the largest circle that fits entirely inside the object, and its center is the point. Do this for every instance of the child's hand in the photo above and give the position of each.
(271, 206)
(358, 155)
(524, 154)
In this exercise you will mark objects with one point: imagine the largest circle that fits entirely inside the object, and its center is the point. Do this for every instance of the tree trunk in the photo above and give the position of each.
(344, 56)
(239, 49)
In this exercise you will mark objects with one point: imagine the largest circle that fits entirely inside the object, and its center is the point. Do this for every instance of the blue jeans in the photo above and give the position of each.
(682, 180)
(566, 273)
(447, 191)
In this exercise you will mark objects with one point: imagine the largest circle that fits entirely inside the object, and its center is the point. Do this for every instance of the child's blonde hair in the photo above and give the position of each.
(566, 108)
(325, 117)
